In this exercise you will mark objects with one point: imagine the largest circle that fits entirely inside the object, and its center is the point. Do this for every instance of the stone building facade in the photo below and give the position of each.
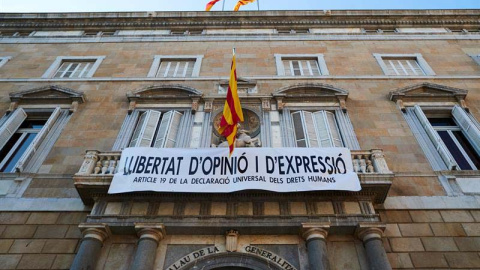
(400, 89)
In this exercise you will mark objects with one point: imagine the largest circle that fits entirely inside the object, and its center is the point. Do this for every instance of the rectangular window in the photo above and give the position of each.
(71, 69)
(316, 129)
(451, 136)
(21, 135)
(301, 65)
(175, 68)
(404, 65)
(156, 129)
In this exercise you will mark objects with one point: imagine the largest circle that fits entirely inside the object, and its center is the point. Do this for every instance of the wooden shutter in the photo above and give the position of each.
(467, 125)
(299, 129)
(304, 128)
(11, 125)
(424, 141)
(167, 132)
(312, 140)
(435, 138)
(125, 133)
(32, 148)
(145, 130)
(322, 127)
(346, 130)
(327, 129)
(334, 132)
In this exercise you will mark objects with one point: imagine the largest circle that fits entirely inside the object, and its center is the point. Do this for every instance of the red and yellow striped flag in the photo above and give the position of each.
(242, 3)
(210, 5)
(232, 111)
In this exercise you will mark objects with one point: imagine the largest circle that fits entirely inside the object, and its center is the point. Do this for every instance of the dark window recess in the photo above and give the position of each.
(442, 122)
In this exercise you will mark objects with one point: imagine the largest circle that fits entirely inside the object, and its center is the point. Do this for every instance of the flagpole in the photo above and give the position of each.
(223, 6)
(258, 5)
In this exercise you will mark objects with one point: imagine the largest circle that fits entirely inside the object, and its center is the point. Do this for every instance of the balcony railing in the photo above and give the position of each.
(105, 163)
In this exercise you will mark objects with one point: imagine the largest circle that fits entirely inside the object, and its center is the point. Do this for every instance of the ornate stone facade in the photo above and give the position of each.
(415, 209)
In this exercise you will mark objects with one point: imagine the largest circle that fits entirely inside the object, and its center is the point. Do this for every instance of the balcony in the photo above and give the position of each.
(96, 173)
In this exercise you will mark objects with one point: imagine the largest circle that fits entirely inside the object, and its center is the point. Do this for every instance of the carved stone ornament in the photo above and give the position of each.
(428, 93)
(266, 104)
(231, 240)
(208, 105)
(51, 94)
(314, 92)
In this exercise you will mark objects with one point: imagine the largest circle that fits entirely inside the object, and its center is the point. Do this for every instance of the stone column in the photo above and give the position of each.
(93, 237)
(149, 237)
(371, 235)
(315, 234)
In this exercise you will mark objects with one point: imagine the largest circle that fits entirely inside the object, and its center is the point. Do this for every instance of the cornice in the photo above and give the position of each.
(140, 20)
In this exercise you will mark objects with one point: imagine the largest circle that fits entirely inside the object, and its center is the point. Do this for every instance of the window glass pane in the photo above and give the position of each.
(61, 70)
(314, 66)
(70, 70)
(467, 147)
(163, 69)
(442, 122)
(286, 67)
(18, 152)
(35, 124)
(296, 68)
(454, 150)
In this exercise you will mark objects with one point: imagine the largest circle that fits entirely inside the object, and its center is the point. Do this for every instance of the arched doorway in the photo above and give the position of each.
(232, 261)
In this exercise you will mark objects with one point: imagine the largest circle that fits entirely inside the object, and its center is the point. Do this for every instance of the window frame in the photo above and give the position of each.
(475, 57)
(381, 58)
(42, 143)
(439, 156)
(157, 60)
(4, 60)
(52, 70)
(279, 58)
(125, 135)
(329, 130)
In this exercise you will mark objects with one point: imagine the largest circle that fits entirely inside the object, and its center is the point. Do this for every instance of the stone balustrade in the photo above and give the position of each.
(100, 163)
(105, 163)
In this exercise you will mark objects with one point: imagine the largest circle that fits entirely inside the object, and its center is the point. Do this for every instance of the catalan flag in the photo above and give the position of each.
(242, 3)
(210, 5)
(232, 111)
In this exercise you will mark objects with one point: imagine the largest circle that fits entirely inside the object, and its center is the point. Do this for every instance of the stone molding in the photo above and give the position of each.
(319, 91)
(53, 94)
(429, 93)
(144, 20)
(310, 231)
(153, 231)
(367, 232)
(99, 231)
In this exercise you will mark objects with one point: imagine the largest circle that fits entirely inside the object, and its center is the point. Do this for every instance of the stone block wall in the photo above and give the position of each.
(39, 240)
(443, 239)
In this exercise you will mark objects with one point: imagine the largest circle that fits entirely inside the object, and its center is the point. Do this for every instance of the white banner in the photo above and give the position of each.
(211, 170)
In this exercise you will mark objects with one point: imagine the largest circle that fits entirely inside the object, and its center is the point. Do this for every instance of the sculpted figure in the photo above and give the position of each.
(243, 140)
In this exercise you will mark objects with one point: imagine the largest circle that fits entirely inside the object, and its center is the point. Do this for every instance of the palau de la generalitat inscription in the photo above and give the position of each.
(256, 251)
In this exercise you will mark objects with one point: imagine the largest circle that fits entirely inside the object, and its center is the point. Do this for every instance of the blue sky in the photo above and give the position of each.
(199, 5)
